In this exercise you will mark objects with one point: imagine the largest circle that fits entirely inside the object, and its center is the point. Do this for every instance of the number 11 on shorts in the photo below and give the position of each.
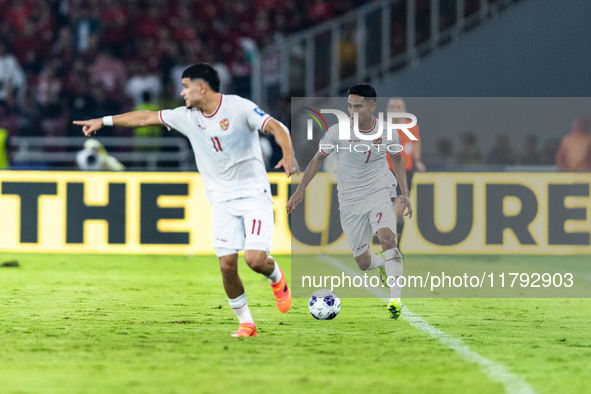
(254, 226)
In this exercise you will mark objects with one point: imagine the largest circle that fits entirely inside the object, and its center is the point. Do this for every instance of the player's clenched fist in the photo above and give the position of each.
(89, 127)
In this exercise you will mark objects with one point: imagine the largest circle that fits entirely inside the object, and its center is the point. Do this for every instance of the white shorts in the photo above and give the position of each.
(360, 226)
(242, 224)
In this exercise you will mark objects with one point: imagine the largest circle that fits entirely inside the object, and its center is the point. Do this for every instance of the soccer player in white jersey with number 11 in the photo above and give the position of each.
(365, 187)
(223, 130)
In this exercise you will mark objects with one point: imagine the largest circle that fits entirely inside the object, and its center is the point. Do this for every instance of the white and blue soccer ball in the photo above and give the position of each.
(324, 304)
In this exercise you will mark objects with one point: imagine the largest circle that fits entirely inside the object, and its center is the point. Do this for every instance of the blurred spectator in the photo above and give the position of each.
(445, 154)
(224, 73)
(148, 53)
(241, 71)
(3, 149)
(102, 104)
(86, 24)
(143, 82)
(48, 90)
(548, 153)
(71, 35)
(147, 131)
(348, 52)
(574, 153)
(44, 24)
(32, 65)
(320, 10)
(411, 154)
(529, 155)
(501, 152)
(63, 48)
(271, 69)
(81, 102)
(28, 117)
(469, 151)
(17, 14)
(115, 20)
(27, 40)
(170, 98)
(94, 157)
(283, 112)
(176, 73)
(12, 79)
(109, 72)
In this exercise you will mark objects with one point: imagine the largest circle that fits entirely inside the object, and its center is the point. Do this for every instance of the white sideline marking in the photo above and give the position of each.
(512, 383)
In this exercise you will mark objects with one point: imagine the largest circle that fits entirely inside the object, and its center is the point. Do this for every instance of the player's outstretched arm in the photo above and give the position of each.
(311, 171)
(129, 119)
(400, 173)
(281, 134)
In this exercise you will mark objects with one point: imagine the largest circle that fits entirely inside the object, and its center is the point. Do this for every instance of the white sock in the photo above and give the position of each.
(240, 307)
(376, 261)
(393, 270)
(275, 276)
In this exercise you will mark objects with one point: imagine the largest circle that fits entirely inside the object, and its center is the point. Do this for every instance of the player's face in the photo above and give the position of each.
(361, 106)
(193, 91)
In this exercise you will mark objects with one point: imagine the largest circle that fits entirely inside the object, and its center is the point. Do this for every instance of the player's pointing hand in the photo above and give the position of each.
(89, 127)
(287, 166)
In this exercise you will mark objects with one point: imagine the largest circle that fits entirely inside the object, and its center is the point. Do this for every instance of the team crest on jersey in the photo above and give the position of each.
(224, 124)
(377, 141)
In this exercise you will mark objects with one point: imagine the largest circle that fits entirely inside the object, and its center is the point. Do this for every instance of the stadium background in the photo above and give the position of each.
(65, 60)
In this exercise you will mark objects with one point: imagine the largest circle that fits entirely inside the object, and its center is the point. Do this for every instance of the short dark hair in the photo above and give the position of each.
(363, 90)
(206, 72)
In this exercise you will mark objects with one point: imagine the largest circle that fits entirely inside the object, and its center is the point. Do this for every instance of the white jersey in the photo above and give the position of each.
(362, 167)
(226, 146)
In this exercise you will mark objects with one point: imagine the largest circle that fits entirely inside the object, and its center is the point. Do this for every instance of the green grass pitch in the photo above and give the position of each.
(161, 324)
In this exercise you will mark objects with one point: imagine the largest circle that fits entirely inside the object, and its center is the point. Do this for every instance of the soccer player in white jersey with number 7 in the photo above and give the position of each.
(223, 131)
(365, 187)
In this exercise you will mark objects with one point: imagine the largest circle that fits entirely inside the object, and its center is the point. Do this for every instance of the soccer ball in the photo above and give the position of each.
(324, 304)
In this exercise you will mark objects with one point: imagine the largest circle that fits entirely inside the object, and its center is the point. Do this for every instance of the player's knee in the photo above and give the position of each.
(228, 267)
(256, 263)
(388, 241)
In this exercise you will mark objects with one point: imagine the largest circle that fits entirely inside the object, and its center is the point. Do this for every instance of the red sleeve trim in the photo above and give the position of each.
(264, 123)
(163, 122)
(324, 152)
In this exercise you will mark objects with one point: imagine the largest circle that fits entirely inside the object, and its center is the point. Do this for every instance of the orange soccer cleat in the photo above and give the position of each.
(246, 330)
(282, 294)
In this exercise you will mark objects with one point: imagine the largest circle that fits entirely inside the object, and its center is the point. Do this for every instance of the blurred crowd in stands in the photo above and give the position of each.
(77, 59)
(504, 152)
(571, 152)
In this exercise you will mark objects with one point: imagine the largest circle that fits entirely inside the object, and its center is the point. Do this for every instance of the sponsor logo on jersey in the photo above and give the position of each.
(259, 111)
(224, 124)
